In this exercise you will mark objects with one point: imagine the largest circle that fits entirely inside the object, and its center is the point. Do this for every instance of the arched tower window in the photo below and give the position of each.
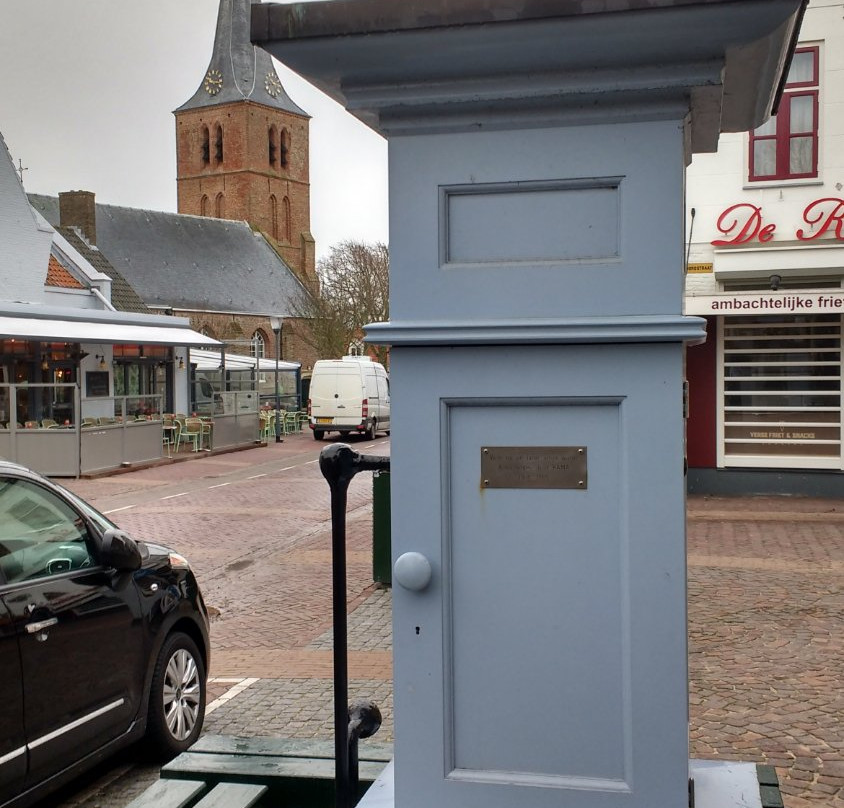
(285, 147)
(220, 207)
(274, 217)
(206, 146)
(258, 347)
(203, 205)
(285, 219)
(218, 144)
(273, 147)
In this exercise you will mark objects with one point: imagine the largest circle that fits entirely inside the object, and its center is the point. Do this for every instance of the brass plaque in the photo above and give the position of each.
(533, 467)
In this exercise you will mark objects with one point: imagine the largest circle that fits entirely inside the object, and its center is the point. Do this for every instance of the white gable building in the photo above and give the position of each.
(765, 228)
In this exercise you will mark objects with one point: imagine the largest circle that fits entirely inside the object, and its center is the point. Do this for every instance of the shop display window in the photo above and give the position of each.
(781, 388)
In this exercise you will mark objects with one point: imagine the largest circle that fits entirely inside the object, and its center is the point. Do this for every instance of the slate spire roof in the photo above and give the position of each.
(239, 71)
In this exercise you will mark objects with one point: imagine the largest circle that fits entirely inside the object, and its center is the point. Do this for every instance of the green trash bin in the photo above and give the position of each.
(382, 569)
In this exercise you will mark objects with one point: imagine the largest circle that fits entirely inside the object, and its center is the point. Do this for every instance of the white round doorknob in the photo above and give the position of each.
(412, 571)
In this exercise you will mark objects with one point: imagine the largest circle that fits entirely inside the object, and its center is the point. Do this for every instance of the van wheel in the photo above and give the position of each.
(318, 434)
(370, 432)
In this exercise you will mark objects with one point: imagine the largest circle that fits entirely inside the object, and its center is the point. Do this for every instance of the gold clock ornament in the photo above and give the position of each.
(272, 85)
(213, 82)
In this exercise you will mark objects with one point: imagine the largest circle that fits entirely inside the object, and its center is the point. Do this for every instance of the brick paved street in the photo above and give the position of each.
(766, 598)
(765, 606)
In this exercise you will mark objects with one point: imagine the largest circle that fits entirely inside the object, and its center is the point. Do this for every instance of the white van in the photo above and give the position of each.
(349, 395)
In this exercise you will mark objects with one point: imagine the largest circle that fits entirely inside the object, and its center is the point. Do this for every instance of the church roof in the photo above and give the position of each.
(191, 263)
(239, 71)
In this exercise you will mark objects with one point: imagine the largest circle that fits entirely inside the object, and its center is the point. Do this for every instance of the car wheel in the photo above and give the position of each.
(176, 698)
(318, 434)
(370, 432)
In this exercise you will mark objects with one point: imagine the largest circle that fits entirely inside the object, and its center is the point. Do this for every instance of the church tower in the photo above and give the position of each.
(242, 145)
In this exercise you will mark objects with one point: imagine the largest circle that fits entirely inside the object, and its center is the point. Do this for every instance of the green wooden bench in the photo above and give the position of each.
(227, 772)
(185, 793)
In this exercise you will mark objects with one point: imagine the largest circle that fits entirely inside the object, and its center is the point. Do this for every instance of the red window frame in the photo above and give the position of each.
(782, 136)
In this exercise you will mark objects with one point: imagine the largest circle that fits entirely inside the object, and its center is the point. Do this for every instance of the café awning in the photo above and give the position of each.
(212, 360)
(117, 333)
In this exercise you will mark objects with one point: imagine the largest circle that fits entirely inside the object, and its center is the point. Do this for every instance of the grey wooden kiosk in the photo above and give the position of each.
(537, 152)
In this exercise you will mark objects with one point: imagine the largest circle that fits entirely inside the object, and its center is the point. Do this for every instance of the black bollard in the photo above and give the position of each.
(339, 463)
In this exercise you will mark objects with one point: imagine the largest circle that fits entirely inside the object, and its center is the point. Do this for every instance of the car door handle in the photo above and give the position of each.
(40, 625)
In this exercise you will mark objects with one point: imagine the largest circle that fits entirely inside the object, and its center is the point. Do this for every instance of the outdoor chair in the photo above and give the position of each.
(171, 430)
(192, 432)
(267, 426)
(207, 426)
(291, 422)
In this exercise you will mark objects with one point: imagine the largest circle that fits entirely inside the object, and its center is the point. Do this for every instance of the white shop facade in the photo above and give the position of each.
(765, 412)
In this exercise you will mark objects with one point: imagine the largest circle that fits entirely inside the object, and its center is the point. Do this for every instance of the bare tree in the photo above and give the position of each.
(353, 291)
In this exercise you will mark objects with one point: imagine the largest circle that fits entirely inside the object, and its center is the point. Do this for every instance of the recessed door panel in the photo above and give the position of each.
(553, 710)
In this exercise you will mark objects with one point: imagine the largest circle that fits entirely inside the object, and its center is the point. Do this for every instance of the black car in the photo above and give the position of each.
(103, 640)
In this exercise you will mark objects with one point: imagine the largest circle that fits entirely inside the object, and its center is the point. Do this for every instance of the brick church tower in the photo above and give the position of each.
(242, 145)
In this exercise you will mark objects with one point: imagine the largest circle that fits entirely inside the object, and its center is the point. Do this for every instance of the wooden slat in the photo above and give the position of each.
(169, 794)
(232, 795)
(287, 747)
(260, 768)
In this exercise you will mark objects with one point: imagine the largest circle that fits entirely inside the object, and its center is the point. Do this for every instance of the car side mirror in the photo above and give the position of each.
(119, 550)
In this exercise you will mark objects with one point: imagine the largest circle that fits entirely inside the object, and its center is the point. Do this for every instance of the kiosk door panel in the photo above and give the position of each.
(566, 676)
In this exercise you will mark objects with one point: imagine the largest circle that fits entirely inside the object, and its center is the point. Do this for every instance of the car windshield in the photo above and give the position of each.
(102, 522)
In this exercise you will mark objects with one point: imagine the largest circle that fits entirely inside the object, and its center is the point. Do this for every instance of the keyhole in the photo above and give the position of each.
(417, 629)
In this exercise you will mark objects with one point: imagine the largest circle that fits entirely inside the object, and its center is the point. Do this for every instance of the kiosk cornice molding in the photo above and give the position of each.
(726, 57)
(577, 330)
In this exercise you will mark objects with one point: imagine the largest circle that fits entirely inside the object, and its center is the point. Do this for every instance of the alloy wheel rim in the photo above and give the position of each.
(182, 694)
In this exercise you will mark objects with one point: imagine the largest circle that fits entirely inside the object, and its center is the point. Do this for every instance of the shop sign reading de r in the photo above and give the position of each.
(744, 222)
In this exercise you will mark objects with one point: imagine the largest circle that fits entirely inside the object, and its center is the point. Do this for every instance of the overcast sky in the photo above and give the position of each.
(87, 91)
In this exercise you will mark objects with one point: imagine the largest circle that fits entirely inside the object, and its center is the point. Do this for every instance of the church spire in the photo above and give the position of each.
(239, 71)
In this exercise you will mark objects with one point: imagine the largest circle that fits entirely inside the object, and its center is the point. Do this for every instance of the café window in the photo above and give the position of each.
(781, 388)
(786, 146)
(139, 369)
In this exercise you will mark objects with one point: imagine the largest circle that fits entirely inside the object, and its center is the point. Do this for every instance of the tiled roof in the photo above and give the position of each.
(57, 275)
(191, 263)
(123, 296)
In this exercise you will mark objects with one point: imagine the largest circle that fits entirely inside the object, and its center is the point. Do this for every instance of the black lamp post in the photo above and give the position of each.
(275, 324)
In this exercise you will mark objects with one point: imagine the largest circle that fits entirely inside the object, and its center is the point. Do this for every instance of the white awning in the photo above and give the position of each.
(210, 360)
(32, 328)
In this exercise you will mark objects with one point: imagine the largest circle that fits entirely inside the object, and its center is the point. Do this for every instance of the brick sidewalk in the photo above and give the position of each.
(766, 577)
